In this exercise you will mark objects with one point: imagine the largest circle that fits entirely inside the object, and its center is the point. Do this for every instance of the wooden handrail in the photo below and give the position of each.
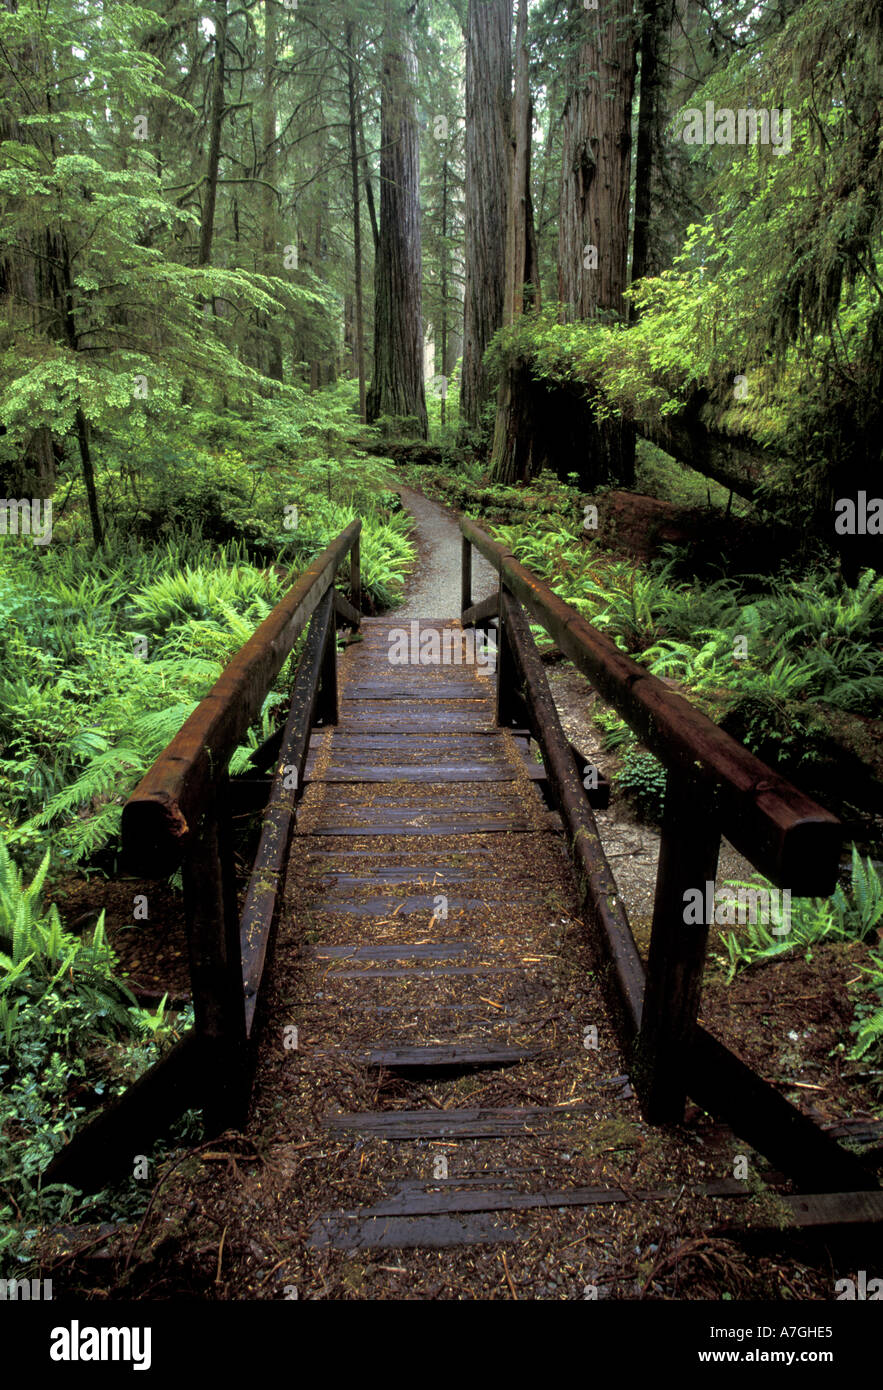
(788, 836)
(160, 815)
(714, 786)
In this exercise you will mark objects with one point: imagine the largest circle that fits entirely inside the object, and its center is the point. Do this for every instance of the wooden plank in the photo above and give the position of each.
(410, 1203)
(490, 1123)
(420, 875)
(858, 1131)
(403, 907)
(406, 972)
(437, 717)
(487, 743)
(414, 690)
(449, 1057)
(407, 772)
(788, 836)
(407, 725)
(462, 826)
(410, 860)
(823, 1209)
(393, 950)
(429, 1233)
(448, 798)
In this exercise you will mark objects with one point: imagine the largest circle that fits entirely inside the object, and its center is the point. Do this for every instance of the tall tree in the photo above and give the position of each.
(269, 233)
(488, 116)
(656, 20)
(593, 221)
(397, 384)
(216, 121)
(353, 110)
(514, 456)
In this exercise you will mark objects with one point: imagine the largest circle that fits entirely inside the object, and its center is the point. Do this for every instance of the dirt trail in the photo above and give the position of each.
(434, 590)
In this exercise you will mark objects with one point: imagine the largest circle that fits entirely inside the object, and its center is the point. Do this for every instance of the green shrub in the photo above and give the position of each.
(642, 778)
(848, 915)
(70, 1032)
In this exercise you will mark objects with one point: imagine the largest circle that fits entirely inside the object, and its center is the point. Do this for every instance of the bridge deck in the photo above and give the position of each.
(446, 1089)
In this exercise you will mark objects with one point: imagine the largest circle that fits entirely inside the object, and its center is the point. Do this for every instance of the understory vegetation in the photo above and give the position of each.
(104, 652)
(71, 1036)
(776, 656)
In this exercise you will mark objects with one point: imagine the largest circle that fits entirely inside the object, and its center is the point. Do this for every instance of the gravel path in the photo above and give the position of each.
(434, 588)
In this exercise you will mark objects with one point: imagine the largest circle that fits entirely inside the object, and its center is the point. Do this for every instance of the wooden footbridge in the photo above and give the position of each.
(431, 983)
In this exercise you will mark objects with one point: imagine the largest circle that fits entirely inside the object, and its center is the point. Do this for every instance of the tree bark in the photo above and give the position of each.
(397, 384)
(366, 176)
(216, 120)
(359, 343)
(269, 196)
(656, 18)
(488, 121)
(593, 222)
(513, 457)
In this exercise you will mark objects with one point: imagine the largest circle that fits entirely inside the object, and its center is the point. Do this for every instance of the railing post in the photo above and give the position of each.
(465, 574)
(688, 856)
(326, 702)
(213, 944)
(356, 575)
(511, 707)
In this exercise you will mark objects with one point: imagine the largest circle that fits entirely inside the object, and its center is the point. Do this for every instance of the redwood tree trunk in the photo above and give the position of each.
(595, 165)
(657, 16)
(359, 328)
(514, 456)
(268, 230)
(488, 116)
(397, 384)
(593, 222)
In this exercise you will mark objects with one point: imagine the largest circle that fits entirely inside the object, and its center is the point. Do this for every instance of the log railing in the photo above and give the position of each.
(714, 787)
(179, 816)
